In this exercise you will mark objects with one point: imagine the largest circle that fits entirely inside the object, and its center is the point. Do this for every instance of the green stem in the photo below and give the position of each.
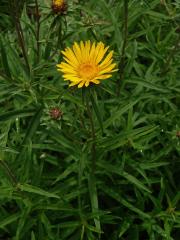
(92, 179)
(59, 39)
(37, 16)
(16, 17)
(93, 135)
(122, 58)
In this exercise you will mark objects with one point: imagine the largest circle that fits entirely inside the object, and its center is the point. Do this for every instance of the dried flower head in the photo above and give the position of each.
(86, 63)
(55, 113)
(59, 6)
(178, 134)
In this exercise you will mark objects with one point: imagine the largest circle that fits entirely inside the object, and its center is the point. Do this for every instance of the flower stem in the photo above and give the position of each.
(16, 16)
(38, 29)
(92, 179)
(93, 134)
(122, 58)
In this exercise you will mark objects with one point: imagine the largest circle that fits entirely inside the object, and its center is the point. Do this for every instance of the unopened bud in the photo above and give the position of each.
(59, 6)
(55, 113)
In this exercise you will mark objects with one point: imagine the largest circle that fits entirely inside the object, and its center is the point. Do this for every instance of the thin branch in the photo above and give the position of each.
(15, 16)
(122, 58)
(92, 179)
(93, 134)
(59, 39)
(37, 18)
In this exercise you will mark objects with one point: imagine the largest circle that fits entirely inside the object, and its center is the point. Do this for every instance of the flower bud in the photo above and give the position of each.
(59, 6)
(55, 113)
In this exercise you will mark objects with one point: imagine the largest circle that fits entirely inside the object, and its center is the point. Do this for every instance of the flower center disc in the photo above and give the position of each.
(88, 71)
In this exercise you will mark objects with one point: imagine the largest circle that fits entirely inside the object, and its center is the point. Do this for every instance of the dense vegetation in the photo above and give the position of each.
(100, 162)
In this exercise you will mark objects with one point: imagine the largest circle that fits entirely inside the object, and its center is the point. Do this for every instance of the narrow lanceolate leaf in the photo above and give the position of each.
(33, 125)
(5, 60)
(124, 227)
(114, 142)
(94, 200)
(115, 170)
(119, 111)
(21, 222)
(152, 165)
(135, 181)
(16, 114)
(124, 202)
(12, 218)
(97, 112)
(149, 85)
(36, 190)
(33, 236)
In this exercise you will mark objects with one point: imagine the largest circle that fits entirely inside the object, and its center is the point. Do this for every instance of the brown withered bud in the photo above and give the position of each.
(33, 13)
(177, 30)
(178, 134)
(59, 6)
(55, 113)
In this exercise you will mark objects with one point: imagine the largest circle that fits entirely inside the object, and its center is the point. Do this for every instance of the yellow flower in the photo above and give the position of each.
(86, 63)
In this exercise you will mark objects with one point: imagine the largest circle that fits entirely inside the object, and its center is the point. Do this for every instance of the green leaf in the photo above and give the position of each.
(120, 172)
(12, 218)
(94, 200)
(149, 85)
(135, 181)
(124, 202)
(16, 114)
(152, 165)
(124, 227)
(97, 112)
(36, 190)
(118, 112)
(33, 125)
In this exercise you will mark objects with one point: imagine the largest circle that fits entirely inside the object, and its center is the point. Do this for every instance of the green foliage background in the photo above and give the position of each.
(49, 189)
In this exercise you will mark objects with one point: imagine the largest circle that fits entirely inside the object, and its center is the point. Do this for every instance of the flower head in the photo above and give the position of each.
(86, 63)
(59, 6)
(55, 113)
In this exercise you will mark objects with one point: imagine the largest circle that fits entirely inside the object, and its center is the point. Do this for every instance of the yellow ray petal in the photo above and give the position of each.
(87, 83)
(71, 77)
(87, 50)
(73, 84)
(82, 47)
(101, 54)
(95, 81)
(65, 66)
(108, 69)
(77, 51)
(81, 84)
(106, 65)
(106, 60)
(92, 52)
(73, 64)
(97, 51)
(70, 55)
(105, 76)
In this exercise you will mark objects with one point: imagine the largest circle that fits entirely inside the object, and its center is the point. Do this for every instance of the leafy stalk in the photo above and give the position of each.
(92, 178)
(37, 29)
(122, 58)
(16, 17)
